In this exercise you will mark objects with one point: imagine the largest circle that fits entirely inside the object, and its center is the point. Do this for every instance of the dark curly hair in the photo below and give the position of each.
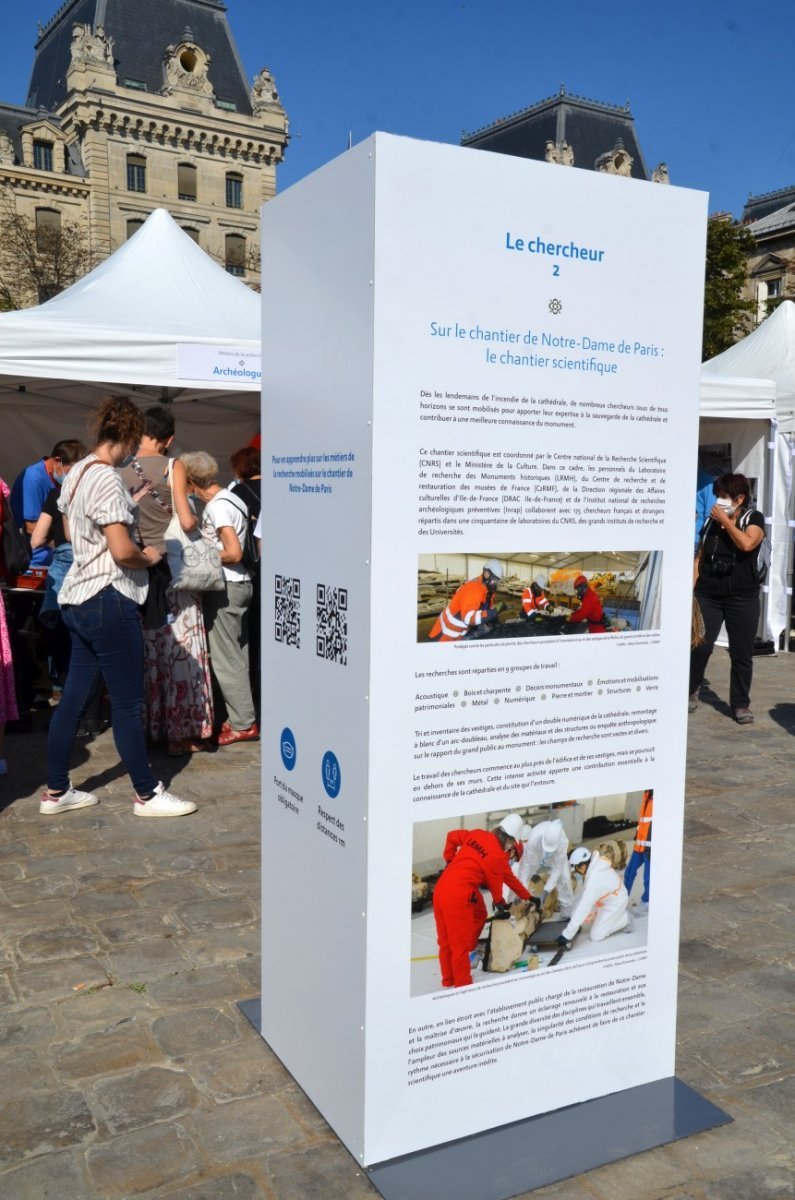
(117, 419)
(732, 486)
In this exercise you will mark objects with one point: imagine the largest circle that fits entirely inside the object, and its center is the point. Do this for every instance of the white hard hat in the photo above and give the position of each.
(579, 856)
(540, 579)
(495, 568)
(512, 825)
(525, 834)
(552, 833)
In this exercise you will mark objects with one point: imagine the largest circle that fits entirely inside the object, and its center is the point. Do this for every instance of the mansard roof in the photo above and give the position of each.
(14, 118)
(767, 203)
(590, 127)
(141, 30)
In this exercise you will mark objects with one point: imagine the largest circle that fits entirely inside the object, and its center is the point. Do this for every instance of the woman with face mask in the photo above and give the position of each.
(727, 590)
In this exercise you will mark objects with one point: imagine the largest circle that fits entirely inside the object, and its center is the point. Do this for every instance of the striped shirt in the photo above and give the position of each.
(99, 499)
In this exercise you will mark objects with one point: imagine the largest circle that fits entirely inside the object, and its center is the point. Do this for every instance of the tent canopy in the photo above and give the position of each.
(737, 398)
(766, 354)
(121, 328)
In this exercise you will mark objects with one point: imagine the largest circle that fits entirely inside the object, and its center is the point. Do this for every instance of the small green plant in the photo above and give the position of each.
(140, 988)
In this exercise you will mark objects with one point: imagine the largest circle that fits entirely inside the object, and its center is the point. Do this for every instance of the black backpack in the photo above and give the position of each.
(250, 558)
(16, 548)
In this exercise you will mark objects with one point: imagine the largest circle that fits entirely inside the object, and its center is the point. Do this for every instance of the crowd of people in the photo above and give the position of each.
(152, 577)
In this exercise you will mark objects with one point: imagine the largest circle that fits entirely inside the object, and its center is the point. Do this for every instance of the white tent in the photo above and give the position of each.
(159, 321)
(762, 361)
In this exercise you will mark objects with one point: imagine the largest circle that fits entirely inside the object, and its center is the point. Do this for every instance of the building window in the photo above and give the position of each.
(48, 226)
(137, 84)
(235, 254)
(193, 234)
(186, 182)
(133, 226)
(234, 191)
(773, 288)
(136, 173)
(42, 155)
(227, 105)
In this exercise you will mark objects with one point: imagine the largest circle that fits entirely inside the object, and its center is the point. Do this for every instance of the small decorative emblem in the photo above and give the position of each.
(555, 307)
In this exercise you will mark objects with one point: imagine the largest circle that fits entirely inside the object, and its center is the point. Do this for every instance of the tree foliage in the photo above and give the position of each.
(727, 316)
(36, 264)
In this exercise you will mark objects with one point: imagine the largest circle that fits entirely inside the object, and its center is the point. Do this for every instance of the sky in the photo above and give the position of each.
(710, 83)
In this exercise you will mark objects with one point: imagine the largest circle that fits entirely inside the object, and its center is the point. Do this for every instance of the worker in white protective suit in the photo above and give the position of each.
(545, 846)
(602, 900)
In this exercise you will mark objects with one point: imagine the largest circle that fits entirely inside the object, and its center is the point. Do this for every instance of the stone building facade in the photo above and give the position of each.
(771, 268)
(140, 104)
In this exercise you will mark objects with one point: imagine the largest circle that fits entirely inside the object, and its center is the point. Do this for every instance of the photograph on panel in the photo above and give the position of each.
(463, 597)
(509, 892)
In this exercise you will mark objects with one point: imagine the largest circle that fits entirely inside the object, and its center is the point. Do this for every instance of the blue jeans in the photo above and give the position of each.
(107, 640)
(636, 859)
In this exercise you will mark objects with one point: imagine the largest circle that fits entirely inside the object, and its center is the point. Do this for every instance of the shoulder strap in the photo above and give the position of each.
(96, 463)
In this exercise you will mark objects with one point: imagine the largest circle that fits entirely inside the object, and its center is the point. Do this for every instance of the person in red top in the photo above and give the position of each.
(471, 606)
(534, 599)
(590, 609)
(473, 857)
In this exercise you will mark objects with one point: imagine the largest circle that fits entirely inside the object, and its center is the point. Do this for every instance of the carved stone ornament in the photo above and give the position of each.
(660, 174)
(6, 149)
(91, 48)
(185, 69)
(560, 153)
(264, 96)
(616, 162)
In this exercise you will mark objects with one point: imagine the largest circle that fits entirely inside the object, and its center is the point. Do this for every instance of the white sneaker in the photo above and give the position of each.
(71, 798)
(163, 804)
(641, 909)
(628, 927)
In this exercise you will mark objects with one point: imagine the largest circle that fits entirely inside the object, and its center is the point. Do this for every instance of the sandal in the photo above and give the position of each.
(186, 746)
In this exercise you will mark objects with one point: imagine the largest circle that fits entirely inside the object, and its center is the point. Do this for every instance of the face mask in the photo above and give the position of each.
(127, 461)
(726, 505)
(58, 478)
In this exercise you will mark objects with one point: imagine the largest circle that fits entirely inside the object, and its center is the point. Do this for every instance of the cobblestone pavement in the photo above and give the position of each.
(125, 945)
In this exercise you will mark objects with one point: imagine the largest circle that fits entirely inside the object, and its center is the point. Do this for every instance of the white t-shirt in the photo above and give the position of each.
(225, 509)
(100, 499)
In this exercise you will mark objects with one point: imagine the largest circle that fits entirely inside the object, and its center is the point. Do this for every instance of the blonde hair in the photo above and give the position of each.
(200, 468)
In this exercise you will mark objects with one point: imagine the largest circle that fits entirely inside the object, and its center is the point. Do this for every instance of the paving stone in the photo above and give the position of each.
(108, 1008)
(775, 1102)
(43, 889)
(106, 1051)
(298, 1103)
(772, 986)
(245, 1069)
(145, 962)
(711, 1004)
(626, 1180)
(67, 941)
(569, 1189)
(740, 1055)
(23, 1071)
(325, 1172)
(206, 950)
(194, 986)
(31, 1125)
(249, 1129)
(220, 1187)
(54, 980)
(767, 1181)
(241, 882)
(215, 913)
(729, 1149)
(165, 893)
(7, 994)
(22, 1025)
(53, 1177)
(25, 918)
(141, 926)
(93, 906)
(9, 871)
(140, 1161)
(143, 1097)
(193, 1030)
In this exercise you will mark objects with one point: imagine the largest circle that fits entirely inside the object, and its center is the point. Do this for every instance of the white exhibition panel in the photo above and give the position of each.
(368, 260)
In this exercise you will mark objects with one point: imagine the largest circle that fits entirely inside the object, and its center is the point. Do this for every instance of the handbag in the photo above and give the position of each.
(15, 547)
(193, 560)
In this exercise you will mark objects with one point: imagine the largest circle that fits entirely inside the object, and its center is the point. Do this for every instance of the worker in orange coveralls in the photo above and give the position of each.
(590, 609)
(470, 607)
(534, 598)
(474, 857)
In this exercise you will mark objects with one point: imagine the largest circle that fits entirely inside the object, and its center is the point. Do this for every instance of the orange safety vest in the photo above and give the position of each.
(531, 603)
(643, 835)
(465, 611)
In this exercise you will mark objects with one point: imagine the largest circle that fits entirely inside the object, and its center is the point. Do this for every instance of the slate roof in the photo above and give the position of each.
(766, 203)
(590, 127)
(141, 31)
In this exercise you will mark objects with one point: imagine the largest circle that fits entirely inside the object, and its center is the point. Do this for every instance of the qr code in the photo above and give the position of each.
(332, 624)
(287, 605)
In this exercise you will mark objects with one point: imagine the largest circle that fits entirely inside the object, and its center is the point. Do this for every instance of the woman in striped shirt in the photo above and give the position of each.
(99, 600)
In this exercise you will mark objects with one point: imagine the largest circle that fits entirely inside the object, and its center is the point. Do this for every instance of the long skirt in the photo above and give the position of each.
(179, 703)
(8, 700)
